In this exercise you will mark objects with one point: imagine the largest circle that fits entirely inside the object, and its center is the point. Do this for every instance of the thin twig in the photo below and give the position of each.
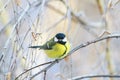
(45, 75)
(32, 68)
(45, 69)
(95, 76)
(12, 32)
(85, 25)
(4, 6)
(100, 4)
(27, 9)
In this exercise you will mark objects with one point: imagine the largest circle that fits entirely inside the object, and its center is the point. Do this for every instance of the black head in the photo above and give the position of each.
(60, 38)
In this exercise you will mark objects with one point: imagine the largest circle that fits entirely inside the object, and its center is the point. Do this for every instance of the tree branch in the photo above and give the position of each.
(95, 76)
(73, 50)
(32, 69)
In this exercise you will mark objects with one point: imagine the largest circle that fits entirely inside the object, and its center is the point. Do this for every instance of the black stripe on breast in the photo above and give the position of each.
(64, 52)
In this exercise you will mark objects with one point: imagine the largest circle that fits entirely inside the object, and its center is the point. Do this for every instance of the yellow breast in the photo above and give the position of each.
(58, 51)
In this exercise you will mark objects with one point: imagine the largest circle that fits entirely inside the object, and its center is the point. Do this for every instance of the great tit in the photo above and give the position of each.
(57, 47)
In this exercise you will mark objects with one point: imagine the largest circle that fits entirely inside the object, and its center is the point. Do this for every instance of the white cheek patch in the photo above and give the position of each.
(64, 40)
(55, 39)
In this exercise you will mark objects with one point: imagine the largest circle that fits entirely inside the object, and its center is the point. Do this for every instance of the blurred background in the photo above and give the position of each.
(33, 22)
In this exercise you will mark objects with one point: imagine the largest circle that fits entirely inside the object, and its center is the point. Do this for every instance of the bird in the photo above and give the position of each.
(57, 47)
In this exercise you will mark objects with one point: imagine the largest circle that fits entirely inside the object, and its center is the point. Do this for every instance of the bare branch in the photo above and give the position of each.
(45, 75)
(32, 68)
(12, 32)
(77, 48)
(95, 76)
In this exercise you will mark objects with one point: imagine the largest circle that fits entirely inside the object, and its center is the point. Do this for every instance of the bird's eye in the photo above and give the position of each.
(55, 39)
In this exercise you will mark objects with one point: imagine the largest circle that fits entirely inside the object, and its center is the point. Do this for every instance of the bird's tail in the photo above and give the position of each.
(34, 47)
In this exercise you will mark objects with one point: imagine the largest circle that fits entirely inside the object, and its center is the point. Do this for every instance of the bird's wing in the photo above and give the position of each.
(49, 44)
